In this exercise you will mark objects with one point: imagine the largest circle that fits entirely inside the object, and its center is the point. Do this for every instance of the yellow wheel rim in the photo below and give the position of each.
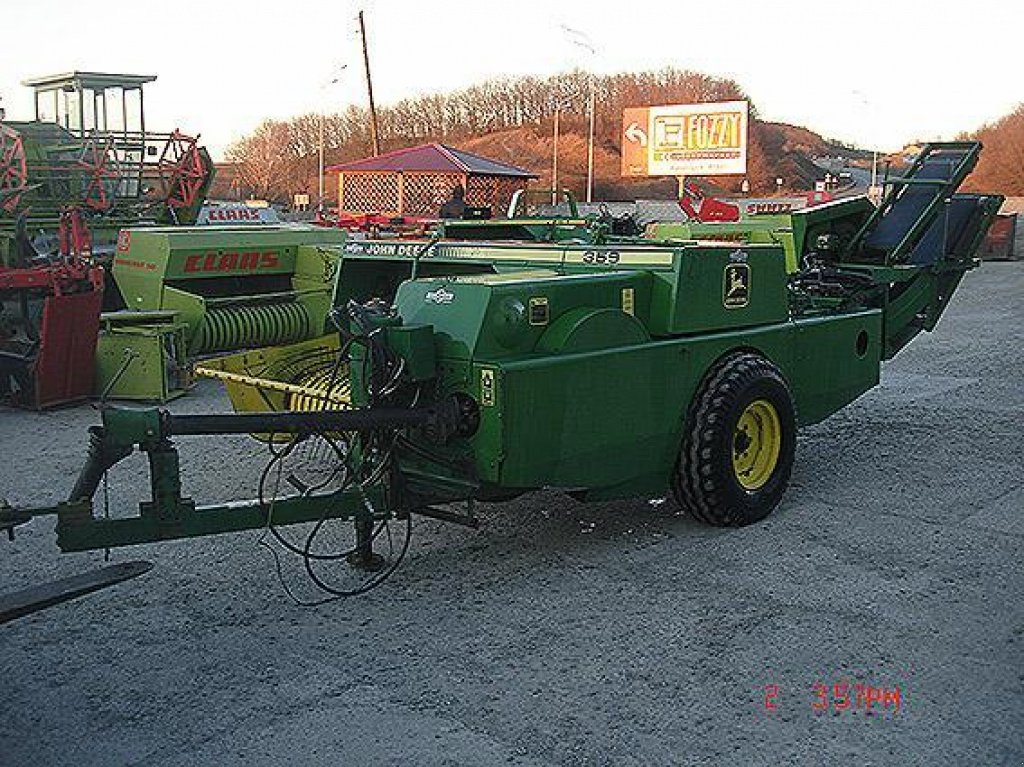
(756, 444)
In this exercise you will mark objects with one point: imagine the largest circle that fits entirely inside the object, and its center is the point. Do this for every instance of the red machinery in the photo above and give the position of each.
(705, 209)
(49, 323)
(13, 168)
(699, 207)
(373, 223)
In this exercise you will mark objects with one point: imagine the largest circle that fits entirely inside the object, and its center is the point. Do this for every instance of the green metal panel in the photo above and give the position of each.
(191, 308)
(689, 278)
(764, 230)
(155, 255)
(143, 361)
(314, 267)
(415, 345)
(505, 316)
(587, 329)
(139, 266)
(836, 360)
(148, 258)
(611, 419)
(696, 297)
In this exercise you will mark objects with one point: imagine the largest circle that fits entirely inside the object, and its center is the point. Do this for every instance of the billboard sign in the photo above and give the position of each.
(685, 140)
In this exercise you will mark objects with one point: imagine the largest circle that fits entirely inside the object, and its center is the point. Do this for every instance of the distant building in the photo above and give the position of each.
(910, 152)
(416, 181)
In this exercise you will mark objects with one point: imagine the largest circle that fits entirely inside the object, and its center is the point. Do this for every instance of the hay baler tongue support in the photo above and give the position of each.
(168, 515)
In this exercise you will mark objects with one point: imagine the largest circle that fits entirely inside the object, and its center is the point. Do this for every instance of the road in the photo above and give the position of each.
(857, 181)
(569, 634)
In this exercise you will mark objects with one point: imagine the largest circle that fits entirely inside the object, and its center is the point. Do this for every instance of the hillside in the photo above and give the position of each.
(512, 120)
(1001, 167)
(777, 150)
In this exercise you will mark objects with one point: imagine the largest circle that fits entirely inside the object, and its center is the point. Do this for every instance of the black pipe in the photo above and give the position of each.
(295, 421)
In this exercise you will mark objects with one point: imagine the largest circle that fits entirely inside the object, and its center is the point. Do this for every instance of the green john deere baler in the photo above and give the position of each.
(480, 371)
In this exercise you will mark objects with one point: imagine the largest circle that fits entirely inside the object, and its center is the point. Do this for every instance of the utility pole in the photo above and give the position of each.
(374, 133)
(590, 145)
(582, 40)
(874, 174)
(320, 194)
(554, 159)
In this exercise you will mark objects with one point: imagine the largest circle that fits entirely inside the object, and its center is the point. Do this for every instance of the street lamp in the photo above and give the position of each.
(583, 40)
(333, 81)
(874, 152)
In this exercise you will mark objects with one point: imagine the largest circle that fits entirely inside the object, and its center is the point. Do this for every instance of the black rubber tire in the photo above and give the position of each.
(704, 482)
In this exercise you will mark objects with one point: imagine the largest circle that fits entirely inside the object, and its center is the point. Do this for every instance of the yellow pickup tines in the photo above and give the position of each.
(319, 389)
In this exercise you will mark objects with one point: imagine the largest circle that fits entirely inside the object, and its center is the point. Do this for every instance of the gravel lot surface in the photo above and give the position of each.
(564, 633)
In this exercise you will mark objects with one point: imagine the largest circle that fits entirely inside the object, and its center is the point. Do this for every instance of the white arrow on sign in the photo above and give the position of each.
(634, 134)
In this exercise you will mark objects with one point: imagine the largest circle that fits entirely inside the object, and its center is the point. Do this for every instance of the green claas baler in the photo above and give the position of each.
(234, 287)
(481, 371)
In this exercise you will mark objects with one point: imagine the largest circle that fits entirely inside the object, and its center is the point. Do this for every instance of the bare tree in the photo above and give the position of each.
(262, 159)
(1001, 167)
(279, 158)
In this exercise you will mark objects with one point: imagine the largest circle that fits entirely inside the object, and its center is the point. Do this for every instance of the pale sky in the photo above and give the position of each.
(876, 73)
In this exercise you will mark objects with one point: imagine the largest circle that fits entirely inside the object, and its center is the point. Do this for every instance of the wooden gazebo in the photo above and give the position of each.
(416, 181)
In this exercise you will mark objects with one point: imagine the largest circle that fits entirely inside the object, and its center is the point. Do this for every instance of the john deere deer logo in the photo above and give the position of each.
(736, 286)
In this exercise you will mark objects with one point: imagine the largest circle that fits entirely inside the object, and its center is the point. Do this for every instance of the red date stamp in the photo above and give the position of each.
(843, 696)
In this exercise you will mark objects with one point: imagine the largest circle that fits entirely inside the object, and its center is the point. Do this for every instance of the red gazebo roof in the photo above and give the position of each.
(434, 158)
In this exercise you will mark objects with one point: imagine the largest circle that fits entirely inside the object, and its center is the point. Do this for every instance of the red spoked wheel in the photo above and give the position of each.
(182, 170)
(13, 168)
(95, 161)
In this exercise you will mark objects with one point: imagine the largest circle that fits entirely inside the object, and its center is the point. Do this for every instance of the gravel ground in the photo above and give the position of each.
(563, 633)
